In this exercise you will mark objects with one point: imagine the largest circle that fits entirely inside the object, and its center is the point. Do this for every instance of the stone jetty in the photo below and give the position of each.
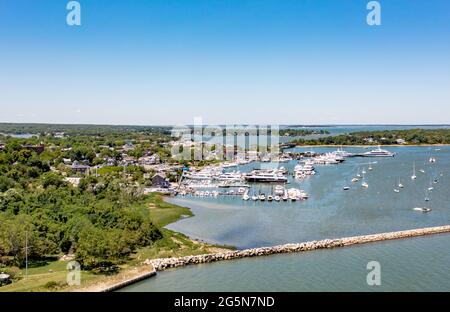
(167, 263)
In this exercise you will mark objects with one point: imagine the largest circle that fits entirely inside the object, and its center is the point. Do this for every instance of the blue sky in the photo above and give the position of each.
(229, 61)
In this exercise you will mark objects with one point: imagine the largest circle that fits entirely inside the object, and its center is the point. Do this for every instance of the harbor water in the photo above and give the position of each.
(330, 212)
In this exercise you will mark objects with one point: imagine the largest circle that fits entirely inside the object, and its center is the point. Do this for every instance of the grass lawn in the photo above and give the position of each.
(50, 276)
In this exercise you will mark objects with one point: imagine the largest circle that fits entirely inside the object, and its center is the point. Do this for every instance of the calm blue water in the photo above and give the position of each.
(418, 264)
(333, 130)
(330, 211)
(20, 136)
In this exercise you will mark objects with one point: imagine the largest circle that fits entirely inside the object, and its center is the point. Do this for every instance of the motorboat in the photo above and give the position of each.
(262, 197)
(254, 198)
(277, 198)
(422, 209)
(364, 184)
(354, 180)
(230, 176)
(340, 152)
(378, 152)
(346, 188)
(432, 160)
(269, 198)
(301, 171)
(279, 190)
(396, 190)
(245, 197)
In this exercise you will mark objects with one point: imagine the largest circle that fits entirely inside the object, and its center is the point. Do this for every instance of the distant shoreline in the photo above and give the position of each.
(374, 145)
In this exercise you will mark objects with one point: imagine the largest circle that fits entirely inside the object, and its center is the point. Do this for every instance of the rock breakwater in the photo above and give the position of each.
(167, 263)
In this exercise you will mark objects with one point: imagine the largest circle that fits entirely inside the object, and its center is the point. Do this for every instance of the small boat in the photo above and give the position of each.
(427, 197)
(436, 181)
(422, 171)
(364, 183)
(354, 180)
(262, 197)
(432, 160)
(285, 198)
(396, 190)
(364, 171)
(277, 198)
(431, 187)
(413, 177)
(422, 209)
(254, 198)
(400, 185)
(245, 197)
(346, 188)
(269, 198)
(370, 168)
(279, 190)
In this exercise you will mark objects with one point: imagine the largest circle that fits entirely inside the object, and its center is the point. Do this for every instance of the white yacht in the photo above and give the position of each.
(340, 152)
(234, 176)
(201, 175)
(265, 176)
(279, 190)
(301, 171)
(378, 152)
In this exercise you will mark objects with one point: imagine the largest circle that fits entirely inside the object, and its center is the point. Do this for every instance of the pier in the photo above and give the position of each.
(167, 263)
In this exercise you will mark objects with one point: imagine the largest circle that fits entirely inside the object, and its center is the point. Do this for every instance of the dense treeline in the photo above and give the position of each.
(388, 137)
(101, 130)
(302, 132)
(101, 221)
